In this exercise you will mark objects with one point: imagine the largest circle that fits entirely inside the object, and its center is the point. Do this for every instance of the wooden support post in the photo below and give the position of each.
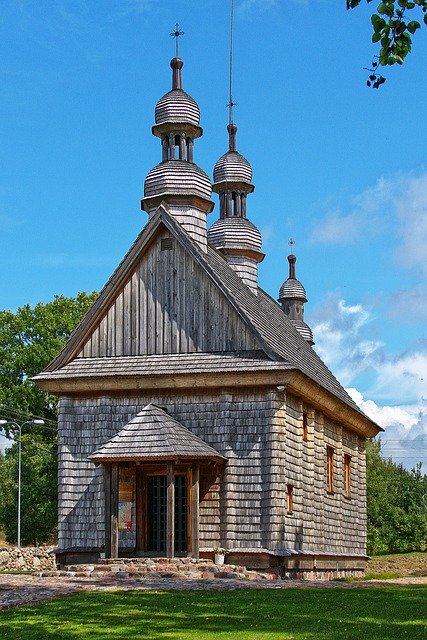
(114, 504)
(170, 512)
(107, 510)
(195, 492)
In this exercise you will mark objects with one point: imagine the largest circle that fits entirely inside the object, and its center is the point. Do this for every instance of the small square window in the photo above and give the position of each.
(166, 244)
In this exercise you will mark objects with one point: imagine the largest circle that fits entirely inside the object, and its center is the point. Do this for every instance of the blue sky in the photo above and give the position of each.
(337, 166)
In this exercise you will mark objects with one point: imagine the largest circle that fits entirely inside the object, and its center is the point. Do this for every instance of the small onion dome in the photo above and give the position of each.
(234, 233)
(292, 288)
(177, 107)
(232, 167)
(177, 178)
(304, 330)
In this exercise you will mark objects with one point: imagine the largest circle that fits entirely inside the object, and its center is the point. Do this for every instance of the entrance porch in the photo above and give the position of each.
(152, 479)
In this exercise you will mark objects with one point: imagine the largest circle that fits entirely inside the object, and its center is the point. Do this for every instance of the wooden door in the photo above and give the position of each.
(156, 514)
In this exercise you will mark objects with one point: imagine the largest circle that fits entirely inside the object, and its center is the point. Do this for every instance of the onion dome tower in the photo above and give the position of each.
(292, 297)
(233, 234)
(177, 180)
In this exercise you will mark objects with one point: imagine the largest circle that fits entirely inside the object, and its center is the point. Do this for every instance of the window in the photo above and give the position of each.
(166, 244)
(347, 475)
(304, 427)
(289, 498)
(330, 469)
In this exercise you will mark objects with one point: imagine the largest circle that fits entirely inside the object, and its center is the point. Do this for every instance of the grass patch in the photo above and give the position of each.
(387, 613)
(403, 564)
(379, 575)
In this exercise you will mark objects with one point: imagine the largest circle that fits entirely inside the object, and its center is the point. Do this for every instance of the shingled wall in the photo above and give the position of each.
(260, 433)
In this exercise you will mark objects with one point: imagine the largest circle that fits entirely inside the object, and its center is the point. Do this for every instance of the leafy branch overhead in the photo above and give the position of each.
(393, 25)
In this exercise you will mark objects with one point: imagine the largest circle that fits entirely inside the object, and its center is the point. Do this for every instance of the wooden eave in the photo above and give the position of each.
(293, 380)
(159, 459)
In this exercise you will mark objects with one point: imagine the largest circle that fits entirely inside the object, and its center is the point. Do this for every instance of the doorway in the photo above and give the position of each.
(156, 514)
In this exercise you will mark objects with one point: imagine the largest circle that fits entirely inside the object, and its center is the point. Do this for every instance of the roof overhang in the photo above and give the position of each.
(293, 380)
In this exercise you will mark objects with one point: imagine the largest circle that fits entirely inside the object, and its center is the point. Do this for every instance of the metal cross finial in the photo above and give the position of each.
(176, 34)
(291, 243)
(230, 106)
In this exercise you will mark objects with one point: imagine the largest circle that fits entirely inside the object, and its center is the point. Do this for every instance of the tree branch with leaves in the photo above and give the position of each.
(393, 25)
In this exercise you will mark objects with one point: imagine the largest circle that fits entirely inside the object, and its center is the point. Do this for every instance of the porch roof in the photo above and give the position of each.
(154, 435)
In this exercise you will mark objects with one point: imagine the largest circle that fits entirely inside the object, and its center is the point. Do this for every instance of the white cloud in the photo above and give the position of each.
(339, 336)
(400, 198)
(411, 208)
(337, 228)
(405, 437)
(343, 340)
(410, 304)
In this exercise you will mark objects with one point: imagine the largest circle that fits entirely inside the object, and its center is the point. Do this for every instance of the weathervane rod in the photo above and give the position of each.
(231, 104)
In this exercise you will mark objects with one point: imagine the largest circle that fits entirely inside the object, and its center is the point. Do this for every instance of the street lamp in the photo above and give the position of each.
(20, 427)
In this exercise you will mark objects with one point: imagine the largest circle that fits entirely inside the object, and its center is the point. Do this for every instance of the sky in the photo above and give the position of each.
(338, 167)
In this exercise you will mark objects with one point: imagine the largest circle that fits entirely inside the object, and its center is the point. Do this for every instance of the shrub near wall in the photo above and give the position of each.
(27, 559)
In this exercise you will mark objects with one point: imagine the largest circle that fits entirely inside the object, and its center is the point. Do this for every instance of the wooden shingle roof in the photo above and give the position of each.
(167, 364)
(278, 340)
(153, 435)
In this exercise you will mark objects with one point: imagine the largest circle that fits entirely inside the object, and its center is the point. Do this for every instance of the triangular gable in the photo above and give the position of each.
(161, 301)
(257, 320)
(155, 435)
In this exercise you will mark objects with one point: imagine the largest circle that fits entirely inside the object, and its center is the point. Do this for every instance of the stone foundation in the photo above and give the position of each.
(27, 559)
(168, 568)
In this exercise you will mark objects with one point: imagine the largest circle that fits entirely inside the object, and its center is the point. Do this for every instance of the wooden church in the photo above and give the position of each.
(194, 413)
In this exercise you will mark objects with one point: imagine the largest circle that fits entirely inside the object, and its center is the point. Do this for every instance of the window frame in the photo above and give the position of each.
(289, 499)
(304, 426)
(330, 455)
(347, 475)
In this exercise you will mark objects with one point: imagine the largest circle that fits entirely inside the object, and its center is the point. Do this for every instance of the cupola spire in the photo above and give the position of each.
(233, 234)
(292, 297)
(177, 180)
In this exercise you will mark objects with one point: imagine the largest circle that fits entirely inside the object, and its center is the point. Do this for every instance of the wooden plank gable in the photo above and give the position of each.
(168, 304)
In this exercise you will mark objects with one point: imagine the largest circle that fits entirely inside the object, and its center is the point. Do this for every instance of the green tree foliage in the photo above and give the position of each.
(38, 491)
(397, 505)
(29, 340)
(394, 24)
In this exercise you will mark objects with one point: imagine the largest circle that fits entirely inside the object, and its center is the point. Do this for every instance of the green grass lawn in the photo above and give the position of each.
(386, 613)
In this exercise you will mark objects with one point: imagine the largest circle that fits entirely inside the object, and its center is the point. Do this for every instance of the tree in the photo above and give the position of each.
(397, 505)
(38, 491)
(393, 25)
(29, 340)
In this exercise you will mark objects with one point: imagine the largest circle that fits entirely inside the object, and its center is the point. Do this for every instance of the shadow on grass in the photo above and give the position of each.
(388, 613)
